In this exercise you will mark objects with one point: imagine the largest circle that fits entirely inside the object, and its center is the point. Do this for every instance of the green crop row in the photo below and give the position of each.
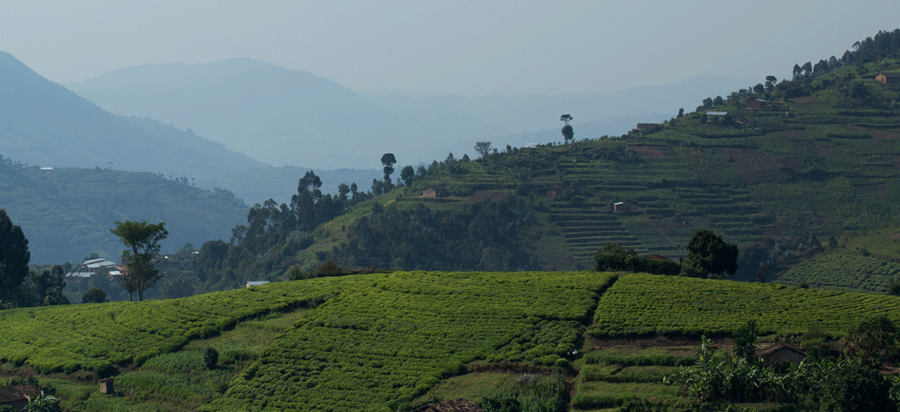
(388, 337)
(95, 336)
(647, 304)
(844, 272)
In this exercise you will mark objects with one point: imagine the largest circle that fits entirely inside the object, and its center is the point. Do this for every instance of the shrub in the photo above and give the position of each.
(210, 358)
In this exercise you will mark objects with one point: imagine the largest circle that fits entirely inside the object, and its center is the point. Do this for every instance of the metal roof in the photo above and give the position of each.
(716, 113)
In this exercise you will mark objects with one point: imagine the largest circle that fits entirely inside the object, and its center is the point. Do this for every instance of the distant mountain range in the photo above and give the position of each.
(286, 117)
(43, 123)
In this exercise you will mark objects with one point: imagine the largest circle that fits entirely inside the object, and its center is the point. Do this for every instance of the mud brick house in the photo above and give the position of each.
(888, 78)
(436, 191)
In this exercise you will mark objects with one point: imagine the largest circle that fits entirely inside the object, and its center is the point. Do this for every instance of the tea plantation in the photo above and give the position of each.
(646, 304)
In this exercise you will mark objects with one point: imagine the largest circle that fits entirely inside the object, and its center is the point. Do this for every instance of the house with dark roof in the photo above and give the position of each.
(756, 104)
(780, 353)
(16, 396)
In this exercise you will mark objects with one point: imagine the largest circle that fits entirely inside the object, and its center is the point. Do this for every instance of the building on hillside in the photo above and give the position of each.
(556, 190)
(618, 206)
(888, 78)
(16, 396)
(252, 283)
(780, 353)
(106, 386)
(436, 191)
(740, 120)
(756, 104)
(89, 267)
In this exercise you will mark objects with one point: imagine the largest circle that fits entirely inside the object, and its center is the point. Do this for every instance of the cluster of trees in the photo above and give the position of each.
(481, 236)
(19, 286)
(849, 381)
(708, 257)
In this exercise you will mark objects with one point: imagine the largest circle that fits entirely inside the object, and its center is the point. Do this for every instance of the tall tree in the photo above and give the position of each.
(567, 132)
(483, 148)
(14, 257)
(388, 160)
(711, 256)
(407, 174)
(143, 238)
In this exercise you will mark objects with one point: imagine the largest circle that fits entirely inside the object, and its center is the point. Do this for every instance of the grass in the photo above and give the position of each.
(472, 386)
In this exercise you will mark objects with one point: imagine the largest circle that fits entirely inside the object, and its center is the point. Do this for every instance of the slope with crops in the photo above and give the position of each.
(774, 168)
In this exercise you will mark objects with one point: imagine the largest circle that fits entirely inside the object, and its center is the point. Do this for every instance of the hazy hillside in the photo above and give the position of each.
(285, 117)
(66, 213)
(280, 183)
(819, 158)
(45, 124)
(275, 115)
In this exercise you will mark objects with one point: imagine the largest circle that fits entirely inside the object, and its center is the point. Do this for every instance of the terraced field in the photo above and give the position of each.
(843, 272)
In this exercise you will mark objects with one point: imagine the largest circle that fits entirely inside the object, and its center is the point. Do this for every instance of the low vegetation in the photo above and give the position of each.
(648, 304)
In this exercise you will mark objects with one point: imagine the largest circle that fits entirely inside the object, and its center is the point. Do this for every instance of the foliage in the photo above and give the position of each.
(644, 304)
(43, 403)
(873, 340)
(143, 238)
(95, 295)
(386, 338)
(709, 254)
(530, 393)
(483, 236)
(613, 257)
(210, 358)
(43, 289)
(832, 385)
(14, 257)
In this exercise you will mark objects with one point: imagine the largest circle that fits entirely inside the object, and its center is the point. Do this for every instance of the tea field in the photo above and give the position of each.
(97, 336)
(843, 272)
(385, 339)
(646, 304)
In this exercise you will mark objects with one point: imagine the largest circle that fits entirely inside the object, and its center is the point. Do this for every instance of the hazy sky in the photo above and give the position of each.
(433, 47)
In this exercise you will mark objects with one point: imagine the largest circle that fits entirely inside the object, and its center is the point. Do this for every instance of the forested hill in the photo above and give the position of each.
(66, 213)
(45, 124)
(777, 168)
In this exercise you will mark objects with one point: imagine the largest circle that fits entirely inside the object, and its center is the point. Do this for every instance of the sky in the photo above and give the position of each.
(434, 47)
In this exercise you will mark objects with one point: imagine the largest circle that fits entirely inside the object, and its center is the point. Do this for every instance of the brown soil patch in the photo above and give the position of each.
(653, 151)
(879, 188)
(882, 134)
(788, 162)
(772, 232)
(827, 152)
(742, 165)
(894, 236)
(658, 341)
(805, 100)
(505, 367)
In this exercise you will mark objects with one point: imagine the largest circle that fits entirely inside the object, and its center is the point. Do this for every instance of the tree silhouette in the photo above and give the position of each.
(567, 132)
(388, 160)
(483, 148)
(14, 257)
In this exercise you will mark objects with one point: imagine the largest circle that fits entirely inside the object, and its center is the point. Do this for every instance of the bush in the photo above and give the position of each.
(210, 358)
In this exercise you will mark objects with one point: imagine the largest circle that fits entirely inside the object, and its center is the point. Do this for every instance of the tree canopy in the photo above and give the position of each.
(143, 238)
(710, 255)
(14, 257)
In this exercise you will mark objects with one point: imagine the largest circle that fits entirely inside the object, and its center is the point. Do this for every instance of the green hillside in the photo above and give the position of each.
(819, 157)
(379, 341)
(66, 213)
